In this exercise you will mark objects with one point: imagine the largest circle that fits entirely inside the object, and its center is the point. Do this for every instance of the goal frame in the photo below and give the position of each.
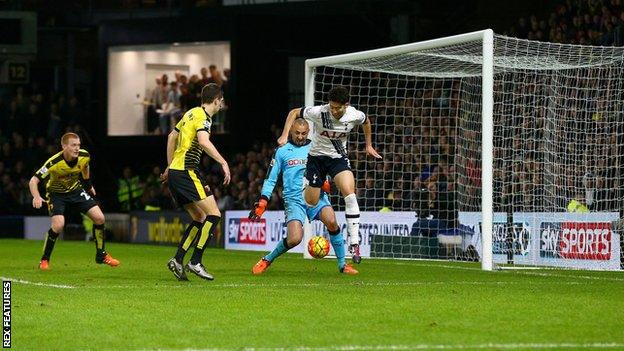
(487, 105)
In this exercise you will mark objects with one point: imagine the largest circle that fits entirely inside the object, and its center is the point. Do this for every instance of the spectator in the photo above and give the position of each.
(157, 97)
(74, 111)
(54, 123)
(224, 202)
(130, 191)
(153, 178)
(34, 120)
(577, 204)
(171, 109)
(204, 77)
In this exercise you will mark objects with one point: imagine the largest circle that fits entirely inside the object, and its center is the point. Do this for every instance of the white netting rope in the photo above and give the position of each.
(558, 131)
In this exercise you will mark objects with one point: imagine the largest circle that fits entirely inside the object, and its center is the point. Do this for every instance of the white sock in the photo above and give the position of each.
(352, 213)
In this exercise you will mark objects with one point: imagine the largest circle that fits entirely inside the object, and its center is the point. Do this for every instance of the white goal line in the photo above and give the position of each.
(27, 282)
(485, 346)
(201, 284)
(544, 271)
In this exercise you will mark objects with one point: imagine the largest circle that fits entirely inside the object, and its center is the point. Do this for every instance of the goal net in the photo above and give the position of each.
(495, 149)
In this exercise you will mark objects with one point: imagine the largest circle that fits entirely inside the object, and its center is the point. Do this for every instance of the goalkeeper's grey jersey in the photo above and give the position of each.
(329, 134)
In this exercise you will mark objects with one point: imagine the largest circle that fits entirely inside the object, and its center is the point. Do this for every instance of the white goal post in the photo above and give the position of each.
(479, 116)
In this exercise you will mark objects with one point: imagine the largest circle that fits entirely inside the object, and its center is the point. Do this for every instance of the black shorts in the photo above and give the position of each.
(318, 167)
(58, 202)
(187, 187)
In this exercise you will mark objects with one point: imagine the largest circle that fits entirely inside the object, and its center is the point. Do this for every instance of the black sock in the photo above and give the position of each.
(187, 240)
(207, 230)
(48, 245)
(285, 243)
(98, 237)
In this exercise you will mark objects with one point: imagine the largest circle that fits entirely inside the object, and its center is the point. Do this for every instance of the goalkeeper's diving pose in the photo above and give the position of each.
(290, 161)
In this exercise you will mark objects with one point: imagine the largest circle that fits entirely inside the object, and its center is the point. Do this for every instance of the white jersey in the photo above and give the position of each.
(330, 134)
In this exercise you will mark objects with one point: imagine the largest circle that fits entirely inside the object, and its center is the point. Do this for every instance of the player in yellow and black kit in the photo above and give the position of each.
(185, 146)
(69, 185)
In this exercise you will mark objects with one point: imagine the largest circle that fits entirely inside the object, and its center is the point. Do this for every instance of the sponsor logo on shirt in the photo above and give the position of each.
(296, 162)
(333, 135)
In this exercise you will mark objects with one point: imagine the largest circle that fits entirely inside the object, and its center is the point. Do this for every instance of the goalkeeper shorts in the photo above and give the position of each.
(298, 210)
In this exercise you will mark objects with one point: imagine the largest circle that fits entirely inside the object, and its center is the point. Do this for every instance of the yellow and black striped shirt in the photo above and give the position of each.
(188, 152)
(64, 176)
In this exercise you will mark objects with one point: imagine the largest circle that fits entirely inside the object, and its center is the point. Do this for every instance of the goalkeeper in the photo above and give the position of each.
(290, 161)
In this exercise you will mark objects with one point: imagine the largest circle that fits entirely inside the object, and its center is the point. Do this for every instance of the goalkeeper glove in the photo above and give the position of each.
(259, 208)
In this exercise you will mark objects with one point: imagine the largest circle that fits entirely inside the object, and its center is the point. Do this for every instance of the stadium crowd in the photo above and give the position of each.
(427, 168)
(168, 100)
(585, 22)
(31, 122)
(248, 171)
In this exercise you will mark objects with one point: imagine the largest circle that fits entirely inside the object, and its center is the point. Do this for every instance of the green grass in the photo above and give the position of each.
(299, 303)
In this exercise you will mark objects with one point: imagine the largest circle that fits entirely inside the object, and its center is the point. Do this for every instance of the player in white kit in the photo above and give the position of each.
(328, 154)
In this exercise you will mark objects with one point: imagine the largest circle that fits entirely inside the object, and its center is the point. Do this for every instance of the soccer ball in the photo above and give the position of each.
(318, 247)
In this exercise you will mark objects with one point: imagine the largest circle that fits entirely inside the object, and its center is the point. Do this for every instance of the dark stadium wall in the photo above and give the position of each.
(149, 149)
(262, 39)
(73, 47)
(259, 63)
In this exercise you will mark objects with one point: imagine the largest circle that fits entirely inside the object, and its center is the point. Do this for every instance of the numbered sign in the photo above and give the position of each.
(17, 72)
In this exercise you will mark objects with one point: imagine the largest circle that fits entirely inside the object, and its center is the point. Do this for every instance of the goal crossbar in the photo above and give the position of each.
(399, 49)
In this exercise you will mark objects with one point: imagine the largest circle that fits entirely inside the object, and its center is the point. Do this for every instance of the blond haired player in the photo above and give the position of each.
(69, 184)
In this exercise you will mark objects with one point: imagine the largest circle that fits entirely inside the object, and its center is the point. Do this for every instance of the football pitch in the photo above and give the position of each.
(301, 304)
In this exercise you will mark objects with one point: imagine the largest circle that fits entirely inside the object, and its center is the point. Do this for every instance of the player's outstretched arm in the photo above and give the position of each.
(34, 191)
(204, 141)
(275, 169)
(292, 115)
(368, 136)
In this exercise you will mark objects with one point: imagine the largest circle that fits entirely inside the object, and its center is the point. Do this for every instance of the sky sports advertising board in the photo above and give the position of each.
(559, 239)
